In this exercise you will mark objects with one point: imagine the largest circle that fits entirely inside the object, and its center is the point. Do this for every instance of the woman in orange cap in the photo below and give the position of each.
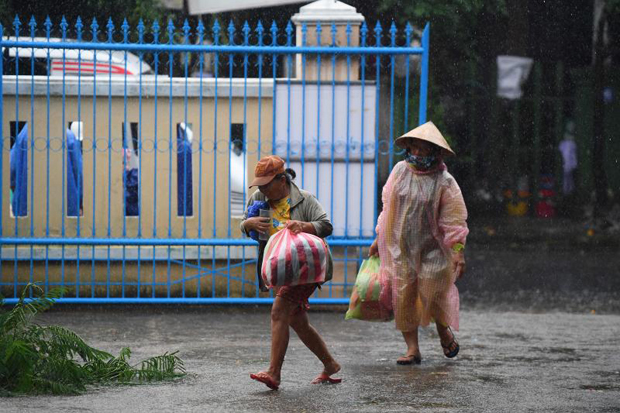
(299, 211)
(421, 234)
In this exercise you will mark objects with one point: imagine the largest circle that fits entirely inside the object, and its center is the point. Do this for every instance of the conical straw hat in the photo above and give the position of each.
(426, 132)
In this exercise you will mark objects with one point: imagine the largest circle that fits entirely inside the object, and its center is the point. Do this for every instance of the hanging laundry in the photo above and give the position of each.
(184, 171)
(131, 176)
(75, 180)
(18, 160)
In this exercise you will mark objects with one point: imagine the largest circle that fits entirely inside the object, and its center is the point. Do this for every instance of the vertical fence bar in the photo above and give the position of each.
(94, 28)
(78, 26)
(48, 28)
(216, 37)
(127, 140)
(16, 25)
(348, 142)
(408, 32)
(392, 64)
(259, 31)
(139, 149)
(32, 25)
(231, 56)
(63, 135)
(364, 33)
(318, 109)
(110, 27)
(289, 68)
(170, 29)
(200, 28)
(185, 167)
(274, 67)
(155, 30)
(424, 77)
(304, 32)
(246, 34)
(377, 31)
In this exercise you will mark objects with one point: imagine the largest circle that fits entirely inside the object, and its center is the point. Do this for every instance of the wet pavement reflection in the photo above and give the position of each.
(518, 361)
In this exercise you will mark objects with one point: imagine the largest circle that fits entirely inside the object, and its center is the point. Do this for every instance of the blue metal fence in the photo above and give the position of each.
(126, 154)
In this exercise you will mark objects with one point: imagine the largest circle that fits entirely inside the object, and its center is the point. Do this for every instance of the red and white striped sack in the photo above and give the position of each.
(296, 259)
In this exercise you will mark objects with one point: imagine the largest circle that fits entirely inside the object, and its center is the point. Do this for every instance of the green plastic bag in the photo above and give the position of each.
(364, 303)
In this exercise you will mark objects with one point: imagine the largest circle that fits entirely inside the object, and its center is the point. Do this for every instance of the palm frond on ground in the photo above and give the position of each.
(37, 359)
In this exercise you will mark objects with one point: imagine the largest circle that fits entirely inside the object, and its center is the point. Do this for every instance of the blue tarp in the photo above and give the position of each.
(75, 185)
(184, 174)
(19, 173)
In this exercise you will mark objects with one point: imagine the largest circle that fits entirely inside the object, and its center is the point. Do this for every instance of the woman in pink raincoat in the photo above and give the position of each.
(421, 234)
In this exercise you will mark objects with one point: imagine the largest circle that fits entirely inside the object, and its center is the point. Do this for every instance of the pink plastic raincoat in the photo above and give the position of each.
(423, 216)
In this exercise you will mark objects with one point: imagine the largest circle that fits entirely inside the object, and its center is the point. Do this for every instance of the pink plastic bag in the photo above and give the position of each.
(295, 259)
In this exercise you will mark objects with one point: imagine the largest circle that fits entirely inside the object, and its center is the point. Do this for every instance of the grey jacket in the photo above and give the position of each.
(304, 207)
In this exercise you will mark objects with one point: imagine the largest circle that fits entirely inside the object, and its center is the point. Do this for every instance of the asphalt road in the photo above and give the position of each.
(509, 361)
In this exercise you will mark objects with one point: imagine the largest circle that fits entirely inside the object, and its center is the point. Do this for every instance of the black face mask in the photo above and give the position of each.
(421, 162)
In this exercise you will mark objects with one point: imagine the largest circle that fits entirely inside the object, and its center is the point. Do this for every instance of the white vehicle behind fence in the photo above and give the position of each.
(73, 62)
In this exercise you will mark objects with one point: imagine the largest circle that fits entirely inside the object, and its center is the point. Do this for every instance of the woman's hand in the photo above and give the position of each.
(298, 226)
(374, 249)
(260, 224)
(458, 263)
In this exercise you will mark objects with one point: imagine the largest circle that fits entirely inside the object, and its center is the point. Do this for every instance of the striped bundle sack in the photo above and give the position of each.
(296, 259)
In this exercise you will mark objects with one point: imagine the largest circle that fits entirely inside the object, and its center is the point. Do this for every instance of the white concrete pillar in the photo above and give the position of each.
(328, 12)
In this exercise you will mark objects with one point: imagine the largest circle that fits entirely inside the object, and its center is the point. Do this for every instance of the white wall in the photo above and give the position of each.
(354, 166)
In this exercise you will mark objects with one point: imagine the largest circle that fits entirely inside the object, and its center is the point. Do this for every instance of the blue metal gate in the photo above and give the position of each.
(126, 153)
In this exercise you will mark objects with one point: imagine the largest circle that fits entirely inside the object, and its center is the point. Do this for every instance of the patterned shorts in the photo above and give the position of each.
(298, 295)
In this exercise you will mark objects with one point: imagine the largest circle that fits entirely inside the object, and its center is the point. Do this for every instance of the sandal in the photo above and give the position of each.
(450, 353)
(266, 379)
(406, 360)
(324, 378)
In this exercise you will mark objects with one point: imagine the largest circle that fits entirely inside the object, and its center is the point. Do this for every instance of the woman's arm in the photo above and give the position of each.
(453, 225)
(453, 216)
(315, 220)
(254, 223)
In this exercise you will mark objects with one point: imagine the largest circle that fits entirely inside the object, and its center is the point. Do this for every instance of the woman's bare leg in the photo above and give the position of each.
(413, 348)
(446, 337)
(311, 338)
(280, 321)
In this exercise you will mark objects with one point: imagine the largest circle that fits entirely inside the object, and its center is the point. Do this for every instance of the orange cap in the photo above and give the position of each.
(266, 169)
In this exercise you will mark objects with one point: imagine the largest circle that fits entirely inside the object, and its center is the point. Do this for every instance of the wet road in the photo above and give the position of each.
(509, 361)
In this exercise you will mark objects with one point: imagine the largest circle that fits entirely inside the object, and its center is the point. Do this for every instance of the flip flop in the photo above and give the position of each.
(325, 379)
(406, 360)
(453, 353)
(265, 379)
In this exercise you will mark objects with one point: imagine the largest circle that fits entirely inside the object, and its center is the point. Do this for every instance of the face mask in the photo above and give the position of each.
(420, 162)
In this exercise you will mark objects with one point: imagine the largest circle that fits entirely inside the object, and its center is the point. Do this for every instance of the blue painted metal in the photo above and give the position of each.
(186, 267)
(236, 49)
